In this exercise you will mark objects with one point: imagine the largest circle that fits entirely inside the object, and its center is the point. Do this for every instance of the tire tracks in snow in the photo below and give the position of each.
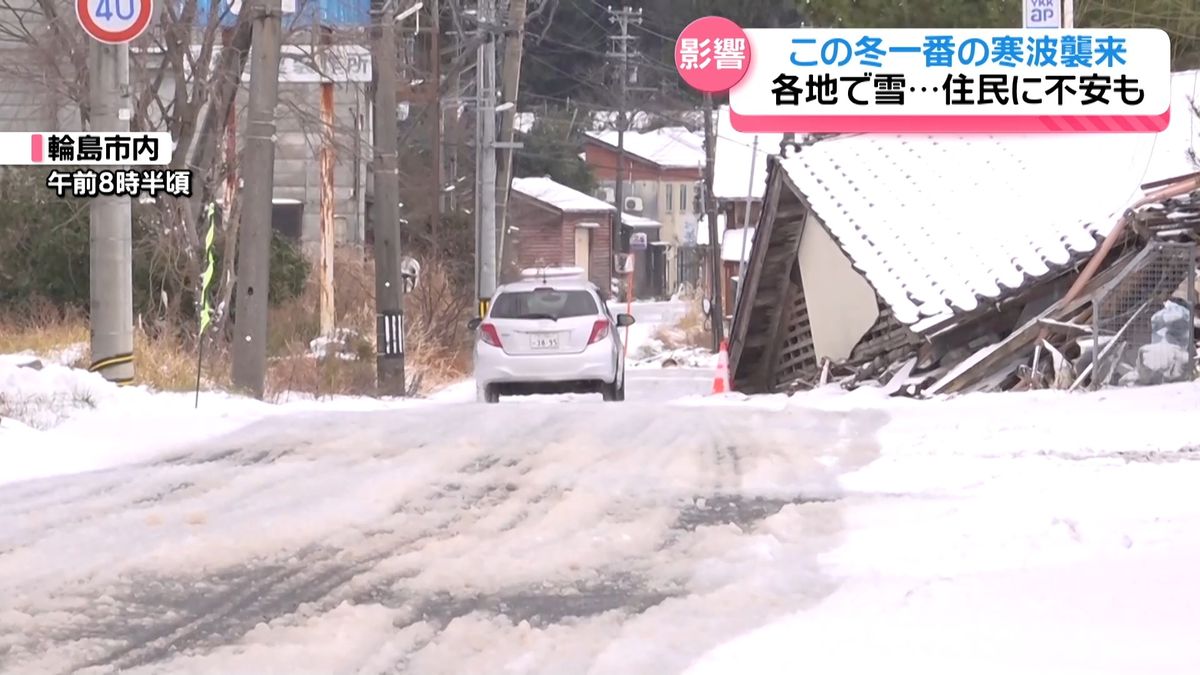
(509, 476)
(310, 582)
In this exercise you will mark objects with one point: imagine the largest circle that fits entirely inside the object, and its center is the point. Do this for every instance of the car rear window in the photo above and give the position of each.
(543, 303)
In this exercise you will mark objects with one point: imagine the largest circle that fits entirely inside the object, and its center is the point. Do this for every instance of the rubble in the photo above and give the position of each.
(1155, 335)
(1120, 312)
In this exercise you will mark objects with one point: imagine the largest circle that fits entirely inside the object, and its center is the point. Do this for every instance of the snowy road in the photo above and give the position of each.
(446, 538)
(844, 533)
(663, 384)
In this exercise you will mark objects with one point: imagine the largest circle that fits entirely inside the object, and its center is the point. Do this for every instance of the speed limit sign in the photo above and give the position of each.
(114, 22)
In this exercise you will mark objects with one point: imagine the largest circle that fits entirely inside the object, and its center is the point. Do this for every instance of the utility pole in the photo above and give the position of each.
(111, 226)
(622, 52)
(327, 307)
(451, 123)
(714, 234)
(435, 119)
(389, 292)
(485, 158)
(254, 236)
(510, 80)
(737, 297)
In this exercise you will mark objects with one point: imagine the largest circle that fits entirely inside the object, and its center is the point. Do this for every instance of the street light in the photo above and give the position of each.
(409, 12)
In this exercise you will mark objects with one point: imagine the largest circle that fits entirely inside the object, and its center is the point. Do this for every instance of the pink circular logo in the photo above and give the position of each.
(712, 54)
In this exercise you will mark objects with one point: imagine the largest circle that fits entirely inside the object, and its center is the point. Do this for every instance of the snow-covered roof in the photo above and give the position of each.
(561, 197)
(734, 152)
(668, 147)
(702, 228)
(556, 273)
(733, 241)
(938, 224)
(601, 120)
(634, 221)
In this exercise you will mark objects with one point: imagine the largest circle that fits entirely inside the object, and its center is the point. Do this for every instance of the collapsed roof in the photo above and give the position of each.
(940, 224)
(943, 229)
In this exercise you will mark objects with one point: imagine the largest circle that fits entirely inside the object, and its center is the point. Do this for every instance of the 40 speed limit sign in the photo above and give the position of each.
(114, 22)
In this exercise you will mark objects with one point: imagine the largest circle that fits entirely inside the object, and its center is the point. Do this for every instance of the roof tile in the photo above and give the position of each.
(939, 224)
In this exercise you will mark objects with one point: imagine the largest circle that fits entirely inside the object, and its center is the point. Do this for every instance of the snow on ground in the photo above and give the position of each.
(1002, 533)
(654, 354)
(841, 532)
(831, 531)
(56, 420)
(98, 425)
(647, 351)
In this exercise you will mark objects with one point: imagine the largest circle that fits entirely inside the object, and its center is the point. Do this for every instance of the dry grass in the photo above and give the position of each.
(166, 362)
(434, 355)
(437, 343)
(44, 329)
(44, 411)
(690, 331)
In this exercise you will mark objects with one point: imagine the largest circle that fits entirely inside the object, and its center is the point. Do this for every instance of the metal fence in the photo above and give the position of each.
(688, 263)
(1143, 320)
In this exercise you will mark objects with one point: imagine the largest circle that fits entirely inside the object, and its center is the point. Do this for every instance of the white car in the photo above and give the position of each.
(549, 336)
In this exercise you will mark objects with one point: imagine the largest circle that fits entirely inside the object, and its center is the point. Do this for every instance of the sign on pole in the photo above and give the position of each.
(638, 241)
(114, 22)
(1041, 14)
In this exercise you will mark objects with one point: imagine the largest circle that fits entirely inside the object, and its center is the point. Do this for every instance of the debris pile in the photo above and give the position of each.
(1127, 318)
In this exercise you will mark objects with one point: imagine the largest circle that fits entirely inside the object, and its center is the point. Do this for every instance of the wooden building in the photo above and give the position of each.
(873, 248)
(557, 226)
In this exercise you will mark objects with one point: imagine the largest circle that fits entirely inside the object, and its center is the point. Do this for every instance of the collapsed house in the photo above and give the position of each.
(939, 264)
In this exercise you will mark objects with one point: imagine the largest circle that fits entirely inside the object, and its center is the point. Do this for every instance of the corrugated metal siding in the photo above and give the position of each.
(297, 155)
(346, 12)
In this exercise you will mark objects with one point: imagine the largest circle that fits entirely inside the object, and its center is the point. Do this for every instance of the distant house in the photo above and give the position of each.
(870, 246)
(661, 172)
(558, 226)
(734, 154)
(736, 246)
(650, 265)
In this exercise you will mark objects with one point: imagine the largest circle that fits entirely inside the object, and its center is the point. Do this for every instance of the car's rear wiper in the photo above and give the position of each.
(539, 316)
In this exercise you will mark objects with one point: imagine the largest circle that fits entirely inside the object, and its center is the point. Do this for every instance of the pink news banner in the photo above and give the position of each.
(909, 80)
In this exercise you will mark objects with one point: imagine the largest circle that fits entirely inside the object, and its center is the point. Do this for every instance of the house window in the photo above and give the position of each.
(670, 197)
(683, 199)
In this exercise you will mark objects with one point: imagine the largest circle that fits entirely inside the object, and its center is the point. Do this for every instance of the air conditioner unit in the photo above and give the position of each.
(606, 194)
(633, 205)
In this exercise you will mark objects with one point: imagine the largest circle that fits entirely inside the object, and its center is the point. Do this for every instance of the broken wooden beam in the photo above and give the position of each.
(984, 363)
(1064, 326)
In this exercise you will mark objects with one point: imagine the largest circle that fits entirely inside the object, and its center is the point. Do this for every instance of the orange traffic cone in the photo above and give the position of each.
(721, 379)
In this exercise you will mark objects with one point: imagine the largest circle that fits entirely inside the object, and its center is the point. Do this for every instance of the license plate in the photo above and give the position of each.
(549, 341)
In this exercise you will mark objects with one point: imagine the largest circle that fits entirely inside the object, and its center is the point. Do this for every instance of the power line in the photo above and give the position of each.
(640, 26)
(595, 107)
(593, 52)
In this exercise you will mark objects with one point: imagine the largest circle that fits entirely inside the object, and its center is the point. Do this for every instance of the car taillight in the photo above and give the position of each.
(599, 331)
(487, 333)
